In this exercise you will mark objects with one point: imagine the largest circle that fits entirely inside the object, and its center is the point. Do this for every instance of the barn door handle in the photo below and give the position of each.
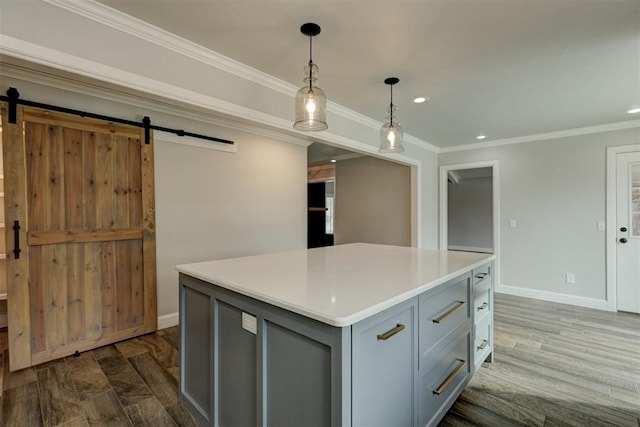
(16, 239)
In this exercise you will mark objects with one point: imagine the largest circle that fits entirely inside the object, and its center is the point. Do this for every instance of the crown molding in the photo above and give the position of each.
(252, 120)
(107, 94)
(374, 124)
(135, 27)
(608, 127)
(128, 24)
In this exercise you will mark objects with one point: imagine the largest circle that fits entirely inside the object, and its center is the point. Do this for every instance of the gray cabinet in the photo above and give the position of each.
(443, 378)
(384, 366)
(246, 362)
(482, 313)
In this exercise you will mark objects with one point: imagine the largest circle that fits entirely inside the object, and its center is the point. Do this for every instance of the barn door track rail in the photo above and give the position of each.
(13, 99)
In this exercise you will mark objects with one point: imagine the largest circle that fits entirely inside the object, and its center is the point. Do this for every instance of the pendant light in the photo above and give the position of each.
(391, 131)
(311, 102)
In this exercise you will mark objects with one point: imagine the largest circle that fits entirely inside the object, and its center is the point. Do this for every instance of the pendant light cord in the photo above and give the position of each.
(310, 63)
(391, 107)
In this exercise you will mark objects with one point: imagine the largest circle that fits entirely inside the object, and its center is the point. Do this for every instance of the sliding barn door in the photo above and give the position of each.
(81, 192)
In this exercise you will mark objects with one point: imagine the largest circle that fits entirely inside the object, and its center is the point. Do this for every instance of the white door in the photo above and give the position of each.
(628, 231)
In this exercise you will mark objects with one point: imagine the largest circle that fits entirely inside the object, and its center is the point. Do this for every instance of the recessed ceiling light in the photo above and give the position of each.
(333, 160)
(481, 136)
(634, 111)
(420, 99)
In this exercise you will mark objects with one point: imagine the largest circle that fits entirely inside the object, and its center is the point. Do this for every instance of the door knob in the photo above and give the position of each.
(623, 240)
(623, 229)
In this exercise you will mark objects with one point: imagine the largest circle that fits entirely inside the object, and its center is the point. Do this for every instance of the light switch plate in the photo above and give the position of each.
(601, 226)
(512, 223)
(249, 323)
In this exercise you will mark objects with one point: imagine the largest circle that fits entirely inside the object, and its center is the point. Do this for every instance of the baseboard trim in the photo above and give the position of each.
(470, 249)
(168, 320)
(598, 304)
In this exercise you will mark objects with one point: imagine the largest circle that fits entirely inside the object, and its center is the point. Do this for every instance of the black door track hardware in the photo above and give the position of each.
(13, 98)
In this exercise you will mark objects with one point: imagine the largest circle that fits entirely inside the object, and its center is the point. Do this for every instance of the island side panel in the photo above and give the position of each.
(196, 364)
(236, 368)
(296, 370)
(297, 380)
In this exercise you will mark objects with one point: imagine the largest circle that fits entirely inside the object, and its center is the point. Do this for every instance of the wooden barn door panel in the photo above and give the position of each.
(87, 206)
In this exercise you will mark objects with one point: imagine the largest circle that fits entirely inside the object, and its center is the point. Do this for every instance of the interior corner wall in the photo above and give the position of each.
(470, 214)
(210, 204)
(555, 190)
(372, 202)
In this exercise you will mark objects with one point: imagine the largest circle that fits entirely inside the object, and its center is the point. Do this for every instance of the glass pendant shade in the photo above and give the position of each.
(391, 133)
(311, 103)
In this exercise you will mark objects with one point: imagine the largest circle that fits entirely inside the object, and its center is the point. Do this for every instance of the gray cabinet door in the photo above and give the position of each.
(237, 365)
(384, 367)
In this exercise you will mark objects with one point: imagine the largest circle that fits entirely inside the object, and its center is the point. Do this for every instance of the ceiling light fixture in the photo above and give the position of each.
(311, 102)
(391, 131)
(634, 111)
(481, 136)
(420, 100)
(333, 160)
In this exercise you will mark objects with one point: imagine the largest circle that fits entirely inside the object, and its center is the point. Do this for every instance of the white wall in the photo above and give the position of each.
(470, 209)
(555, 190)
(372, 202)
(212, 205)
(209, 204)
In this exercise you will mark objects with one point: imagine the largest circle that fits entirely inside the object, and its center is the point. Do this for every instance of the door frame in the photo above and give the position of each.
(443, 202)
(611, 214)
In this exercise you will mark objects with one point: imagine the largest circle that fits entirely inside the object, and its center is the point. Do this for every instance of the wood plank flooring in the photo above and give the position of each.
(131, 383)
(554, 365)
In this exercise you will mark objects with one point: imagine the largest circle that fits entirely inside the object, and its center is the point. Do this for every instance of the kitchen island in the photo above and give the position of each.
(356, 334)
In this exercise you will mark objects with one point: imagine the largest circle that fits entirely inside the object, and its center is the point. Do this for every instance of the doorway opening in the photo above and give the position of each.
(354, 197)
(470, 209)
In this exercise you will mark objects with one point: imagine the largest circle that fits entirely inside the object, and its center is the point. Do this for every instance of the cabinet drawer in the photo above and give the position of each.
(483, 341)
(383, 368)
(482, 273)
(482, 304)
(440, 382)
(441, 312)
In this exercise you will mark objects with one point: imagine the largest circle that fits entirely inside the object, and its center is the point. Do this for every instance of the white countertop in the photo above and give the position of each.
(338, 285)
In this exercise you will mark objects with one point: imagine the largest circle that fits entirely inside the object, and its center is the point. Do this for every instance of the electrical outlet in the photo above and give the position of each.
(249, 323)
(512, 223)
(571, 278)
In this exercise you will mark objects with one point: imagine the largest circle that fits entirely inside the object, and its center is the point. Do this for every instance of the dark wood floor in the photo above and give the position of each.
(555, 365)
(132, 383)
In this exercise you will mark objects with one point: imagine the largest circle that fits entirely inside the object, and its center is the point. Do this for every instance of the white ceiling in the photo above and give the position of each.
(502, 68)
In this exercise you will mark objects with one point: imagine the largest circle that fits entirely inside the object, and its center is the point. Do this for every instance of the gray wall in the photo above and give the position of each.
(200, 85)
(372, 202)
(470, 220)
(210, 204)
(555, 190)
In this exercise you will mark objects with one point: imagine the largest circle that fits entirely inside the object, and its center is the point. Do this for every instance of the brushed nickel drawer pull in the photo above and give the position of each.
(390, 333)
(481, 275)
(450, 312)
(483, 345)
(445, 384)
(483, 306)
